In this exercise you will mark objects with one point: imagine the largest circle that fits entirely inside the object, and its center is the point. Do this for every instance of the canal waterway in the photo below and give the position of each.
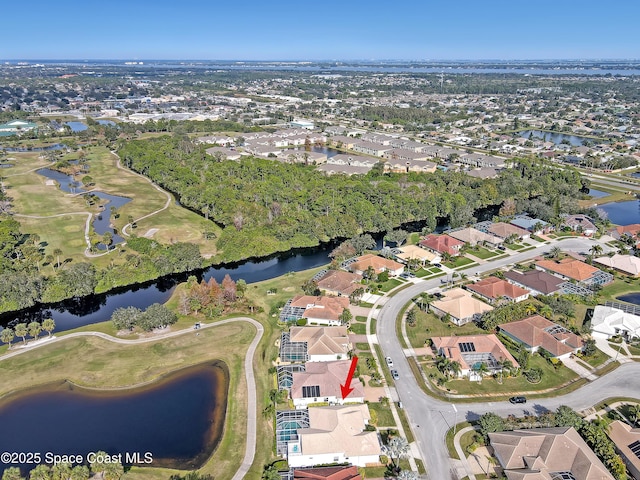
(179, 419)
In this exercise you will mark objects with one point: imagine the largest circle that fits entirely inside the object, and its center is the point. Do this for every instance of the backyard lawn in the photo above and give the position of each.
(385, 418)
(429, 325)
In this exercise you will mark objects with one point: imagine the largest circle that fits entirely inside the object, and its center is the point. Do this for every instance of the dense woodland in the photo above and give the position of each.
(264, 206)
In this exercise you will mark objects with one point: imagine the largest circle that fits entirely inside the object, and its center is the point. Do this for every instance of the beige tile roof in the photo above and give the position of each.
(339, 281)
(339, 429)
(460, 304)
(379, 264)
(322, 340)
(625, 263)
(504, 230)
(328, 376)
(413, 251)
(533, 332)
(472, 236)
(623, 435)
(329, 308)
(569, 267)
(450, 347)
(534, 454)
(494, 288)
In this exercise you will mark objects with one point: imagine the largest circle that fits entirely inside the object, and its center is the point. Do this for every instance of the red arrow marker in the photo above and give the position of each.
(346, 388)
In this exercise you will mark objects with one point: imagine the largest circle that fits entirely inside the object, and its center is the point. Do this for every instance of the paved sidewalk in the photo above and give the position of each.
(620, 355)
(579, 369)
(461, 454)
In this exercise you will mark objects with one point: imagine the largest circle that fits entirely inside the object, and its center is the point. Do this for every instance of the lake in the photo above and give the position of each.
(555, 137)
(76, 126)
(597, 193)
(178, 419)
(102, 221)
(623, 213)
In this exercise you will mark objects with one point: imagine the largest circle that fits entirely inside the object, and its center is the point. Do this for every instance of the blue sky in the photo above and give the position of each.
(328, 30)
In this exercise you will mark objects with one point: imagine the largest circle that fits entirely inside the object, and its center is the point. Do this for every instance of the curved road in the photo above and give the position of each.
(431, 418)
(252, 413)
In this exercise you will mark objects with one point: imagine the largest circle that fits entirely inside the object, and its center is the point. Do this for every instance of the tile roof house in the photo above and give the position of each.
(536, 281)
(413, 252)
(321, 310)
(379, 265)
(339, 282)
(468, 350)
(625, 230)
(324, 344)
(506, 230)
(573, 269)
(320, 382)
(627, 444)
(474, 237)
(327, 473)
(580, 223)
(493, 289)
(442, 244)
(336, 434)
(627, 264)
(528, 223)
(547, 454)
(537, 332)
(460, 305)
(608, 322)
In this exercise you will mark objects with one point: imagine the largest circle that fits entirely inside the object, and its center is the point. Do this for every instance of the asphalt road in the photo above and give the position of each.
(430, 418)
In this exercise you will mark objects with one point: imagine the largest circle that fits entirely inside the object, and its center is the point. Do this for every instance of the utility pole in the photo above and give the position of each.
(455, 422)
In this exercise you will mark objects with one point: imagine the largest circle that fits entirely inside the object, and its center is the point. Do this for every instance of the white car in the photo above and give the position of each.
(389, 362)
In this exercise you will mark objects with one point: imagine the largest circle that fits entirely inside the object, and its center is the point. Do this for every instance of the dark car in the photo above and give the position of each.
(437, 265)
(518, 399)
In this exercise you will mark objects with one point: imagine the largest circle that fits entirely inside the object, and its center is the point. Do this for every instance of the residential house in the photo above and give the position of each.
(320, 310)
(627, 444)
(223, 153)
(536, 281)
(442, 244)
(336, 434)
(537, 332)
(573, 269)
(608, 322)
(460, 305)
(335, 169)
(222, 141)
(475, 237)
(557, 453)
(627, 264)
(413, 252)
(622, 231)
(342, 141)
(339, 282)
(379, 265)
(533, 225)
(321, 344)
(327, 473)
(480, 160)
(468, 350)
(353, 160)
(482, 173)
(493, 289)
(506, 230)
(320, 382)
(580, 223)
(370, 148)
(405, 166)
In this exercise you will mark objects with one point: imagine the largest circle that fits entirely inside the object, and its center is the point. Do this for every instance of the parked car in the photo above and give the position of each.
(389, 362)
(437, 265)
(395, 375)
(518, 399)
(501, 247)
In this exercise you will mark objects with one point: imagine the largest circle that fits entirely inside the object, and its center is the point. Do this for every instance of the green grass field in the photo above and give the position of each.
(429, 325)
(459, 261)
(481, 253)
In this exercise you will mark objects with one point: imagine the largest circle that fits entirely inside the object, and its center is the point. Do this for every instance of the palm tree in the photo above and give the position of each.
(34, 329)
(61, 471)
(12, 473)
(57, 252)
(113, 471)
(443, 364)
(530, 309)
(554, 253)
(21, 331)
(546, 311)
(397, 448)
(596, 250)
(99, 465)
(41, 472)
(481, 369)
(80, 472)
(7, 335)
(407, 475)
(48, 325)
(455, 369)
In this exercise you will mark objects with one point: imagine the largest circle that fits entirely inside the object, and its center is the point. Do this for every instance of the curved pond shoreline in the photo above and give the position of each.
(178, 417)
